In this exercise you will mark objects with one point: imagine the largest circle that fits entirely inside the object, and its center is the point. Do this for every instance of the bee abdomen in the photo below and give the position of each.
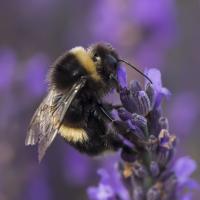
(72, 134)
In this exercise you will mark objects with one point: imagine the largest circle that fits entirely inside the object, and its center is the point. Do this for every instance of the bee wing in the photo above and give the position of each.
(48, 118)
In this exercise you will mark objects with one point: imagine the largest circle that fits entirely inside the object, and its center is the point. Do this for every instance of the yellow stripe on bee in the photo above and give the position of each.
(73, 134)
(86, 61)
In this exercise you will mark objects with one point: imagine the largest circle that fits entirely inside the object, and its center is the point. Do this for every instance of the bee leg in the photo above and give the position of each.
(117, 106)
(105, 108)
(109, 106)
(104, 112)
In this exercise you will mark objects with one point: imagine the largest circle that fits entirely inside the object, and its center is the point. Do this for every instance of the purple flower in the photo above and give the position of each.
(109, 188)
(122, 77)
(149, 27)
(159, 90)
(135, 100)
(102, 192)
(146, 155)
(183, 168)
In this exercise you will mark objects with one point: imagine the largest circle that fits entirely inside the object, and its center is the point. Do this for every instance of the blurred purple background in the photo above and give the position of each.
(33, 33)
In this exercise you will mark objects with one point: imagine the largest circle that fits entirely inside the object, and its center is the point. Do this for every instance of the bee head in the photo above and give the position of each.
(106, 61)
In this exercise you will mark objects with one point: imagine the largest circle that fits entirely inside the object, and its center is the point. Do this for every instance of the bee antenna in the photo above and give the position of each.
(120, 60)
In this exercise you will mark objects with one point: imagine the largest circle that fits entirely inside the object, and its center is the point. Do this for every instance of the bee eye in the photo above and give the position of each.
(97, 58)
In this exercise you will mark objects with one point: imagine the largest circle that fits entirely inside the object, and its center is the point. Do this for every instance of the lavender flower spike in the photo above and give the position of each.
(145, 170)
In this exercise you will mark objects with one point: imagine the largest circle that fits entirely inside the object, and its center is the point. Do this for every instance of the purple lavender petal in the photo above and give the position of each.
(183, 168)
(160, 91)
(110, 186)
(114, 114)
(122, 77)
(155, 76)
(102, 192)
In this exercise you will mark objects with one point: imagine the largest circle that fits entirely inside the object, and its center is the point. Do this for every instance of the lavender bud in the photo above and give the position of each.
(135, 86)
(137, 131)
(154, 168)
(139, 170)
(144, 103)
(139, 121)
(129, 101)
(166, 140)
(133, 133)
(153, 118)
(152, 143)
(151, 94)
(138, 193)
(123, 114)
(154, 193)
(163, 121)
(170, 186)
(163, 156)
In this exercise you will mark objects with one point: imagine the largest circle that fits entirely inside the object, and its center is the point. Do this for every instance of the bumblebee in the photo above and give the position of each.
(73, 107)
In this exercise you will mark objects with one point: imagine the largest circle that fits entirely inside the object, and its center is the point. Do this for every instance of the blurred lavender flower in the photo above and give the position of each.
(146, 168)
(148, 26)
(110, 187)
(157, 22)
(184, 167)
